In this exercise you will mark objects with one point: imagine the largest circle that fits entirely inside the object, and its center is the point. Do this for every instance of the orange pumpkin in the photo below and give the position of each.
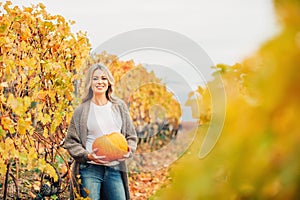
(114, 146)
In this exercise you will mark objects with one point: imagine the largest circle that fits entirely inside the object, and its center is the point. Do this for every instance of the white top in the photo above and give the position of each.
(102, 120)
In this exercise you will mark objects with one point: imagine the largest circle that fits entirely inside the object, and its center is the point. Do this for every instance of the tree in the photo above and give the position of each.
(40, 64)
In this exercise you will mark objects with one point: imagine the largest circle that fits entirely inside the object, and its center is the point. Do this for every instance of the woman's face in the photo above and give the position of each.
(99, 82)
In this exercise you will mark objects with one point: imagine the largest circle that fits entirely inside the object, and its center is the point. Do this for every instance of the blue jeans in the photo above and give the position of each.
(97, 177)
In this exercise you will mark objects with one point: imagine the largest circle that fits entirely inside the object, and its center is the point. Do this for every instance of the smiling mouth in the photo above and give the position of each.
(100, 86)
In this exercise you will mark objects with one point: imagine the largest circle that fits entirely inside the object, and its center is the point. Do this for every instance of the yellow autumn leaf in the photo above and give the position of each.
(44, 118)
(19, 105)
(32, 155)
(2, 168)
(7, 124)
(24, 125)
(2, 133)
(51, 171)
(41, 95)
(45, 133)
(69, 96)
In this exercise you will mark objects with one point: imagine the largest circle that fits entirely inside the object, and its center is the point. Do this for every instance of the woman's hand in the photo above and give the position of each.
(100, 159)
(97, 159)
(127, 155)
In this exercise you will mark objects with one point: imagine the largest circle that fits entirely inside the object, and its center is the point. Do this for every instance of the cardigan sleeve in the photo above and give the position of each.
(73, 143)
(128, 128)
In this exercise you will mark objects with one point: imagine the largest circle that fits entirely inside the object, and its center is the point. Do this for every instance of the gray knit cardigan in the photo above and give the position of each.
(75, 141)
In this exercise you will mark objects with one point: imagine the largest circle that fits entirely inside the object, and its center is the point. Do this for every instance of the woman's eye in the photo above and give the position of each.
(95, 78)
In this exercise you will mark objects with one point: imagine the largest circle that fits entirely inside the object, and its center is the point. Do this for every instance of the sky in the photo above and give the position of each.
(226, 30)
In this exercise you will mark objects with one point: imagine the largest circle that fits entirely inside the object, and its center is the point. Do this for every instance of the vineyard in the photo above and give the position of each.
(42, 64)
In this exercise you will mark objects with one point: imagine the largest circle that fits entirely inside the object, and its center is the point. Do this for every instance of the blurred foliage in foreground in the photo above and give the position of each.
(257, 155)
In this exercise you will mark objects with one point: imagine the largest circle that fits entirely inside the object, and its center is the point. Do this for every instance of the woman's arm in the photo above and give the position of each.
(128, 128)
(74, 145)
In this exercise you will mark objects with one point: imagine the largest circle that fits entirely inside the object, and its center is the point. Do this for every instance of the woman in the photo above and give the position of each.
(99, 113)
